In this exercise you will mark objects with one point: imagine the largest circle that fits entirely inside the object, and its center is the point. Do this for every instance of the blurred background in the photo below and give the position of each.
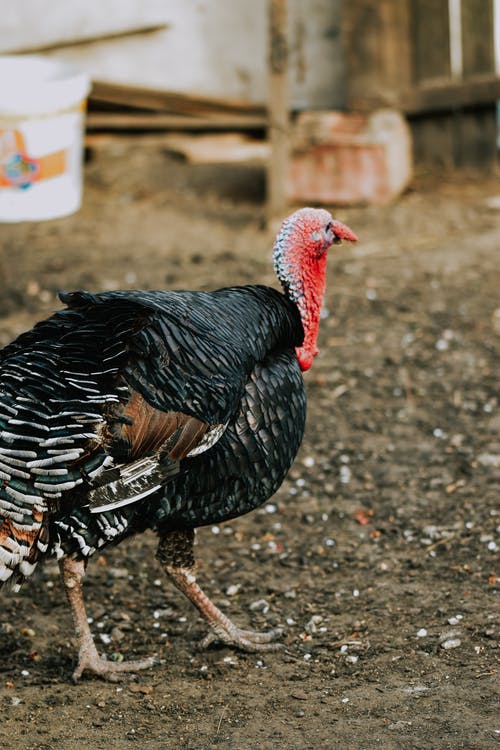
(207, 123)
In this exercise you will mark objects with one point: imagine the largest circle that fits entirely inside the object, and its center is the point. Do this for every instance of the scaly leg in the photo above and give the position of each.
(72, 572)
(175, 552)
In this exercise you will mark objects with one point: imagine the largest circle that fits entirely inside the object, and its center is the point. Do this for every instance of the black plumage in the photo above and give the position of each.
(130, 410)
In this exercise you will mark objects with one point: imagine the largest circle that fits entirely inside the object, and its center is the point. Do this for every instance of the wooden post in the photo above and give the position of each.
(278, 113)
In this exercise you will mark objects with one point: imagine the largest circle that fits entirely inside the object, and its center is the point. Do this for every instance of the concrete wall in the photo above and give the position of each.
(211, 47)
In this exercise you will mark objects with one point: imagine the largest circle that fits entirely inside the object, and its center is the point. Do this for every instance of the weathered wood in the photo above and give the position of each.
(431, 39)
(448, 95)
(80, 41)
(477, 37)
(476, 138)
(217, 148)
(119, 121)
(376, 40)
(141, 97)
(434, 140)
(278, 112)
(456, 139)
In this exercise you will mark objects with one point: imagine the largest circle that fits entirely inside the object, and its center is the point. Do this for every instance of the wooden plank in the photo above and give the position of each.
(431, 39)
(96, 37)
(434, 140)
(217, 148)
(447, 95)
(278, 109)
(477, 138)
(141, 97)
(477, 37)
(119, 121)
(456, 139)
(376, 40)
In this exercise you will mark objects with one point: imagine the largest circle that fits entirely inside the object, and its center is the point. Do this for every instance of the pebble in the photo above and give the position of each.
(311, 627)
(345, 474)
(309, 461)
(490, 460)
(439, 433)
(233, 589)
(118, 572)
(117, 635)
(422, 633)
(259, 606)
(451, 643)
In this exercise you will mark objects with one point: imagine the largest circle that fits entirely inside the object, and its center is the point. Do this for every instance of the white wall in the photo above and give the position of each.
(211, 47)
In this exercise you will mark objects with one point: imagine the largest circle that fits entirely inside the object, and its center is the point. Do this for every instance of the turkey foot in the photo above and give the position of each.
(222, 628)
(175, 551)
(72, 572)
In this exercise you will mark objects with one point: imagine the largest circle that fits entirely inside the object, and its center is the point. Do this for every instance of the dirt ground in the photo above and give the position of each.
(377, 554)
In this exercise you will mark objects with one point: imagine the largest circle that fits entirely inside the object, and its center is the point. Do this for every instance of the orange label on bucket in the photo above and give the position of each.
(18, 169)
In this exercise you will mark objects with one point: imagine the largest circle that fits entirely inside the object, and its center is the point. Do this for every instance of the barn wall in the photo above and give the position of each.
(212, 48)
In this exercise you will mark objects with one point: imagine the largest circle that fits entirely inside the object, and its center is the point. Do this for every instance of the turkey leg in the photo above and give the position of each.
(72, 572)
(175, 552)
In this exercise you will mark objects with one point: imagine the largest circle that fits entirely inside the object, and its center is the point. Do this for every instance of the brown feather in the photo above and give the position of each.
(148, 430)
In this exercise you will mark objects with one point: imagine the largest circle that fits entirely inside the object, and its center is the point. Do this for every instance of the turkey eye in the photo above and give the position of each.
(328, 226)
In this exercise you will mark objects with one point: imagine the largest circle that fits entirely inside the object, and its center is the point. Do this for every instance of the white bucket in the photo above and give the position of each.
(42, 107)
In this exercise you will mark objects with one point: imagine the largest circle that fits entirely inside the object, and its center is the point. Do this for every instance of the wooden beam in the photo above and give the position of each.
(278, 112)
(120, 121)
(447, 96)
(80, 41)
(142, 97)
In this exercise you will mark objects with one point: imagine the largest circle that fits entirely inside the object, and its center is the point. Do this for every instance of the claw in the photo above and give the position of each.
(246, 640)
(109, 670)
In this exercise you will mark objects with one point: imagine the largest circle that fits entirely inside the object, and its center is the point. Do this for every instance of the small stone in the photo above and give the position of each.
(422, 633)
(118, 572)
(451, 643)
(345, 474)
(233, 589)
(259, 606)
(490, 460)
(118, 635)
(311, 627)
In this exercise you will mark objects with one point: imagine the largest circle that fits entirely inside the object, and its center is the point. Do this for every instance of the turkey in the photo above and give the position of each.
(167, 410)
